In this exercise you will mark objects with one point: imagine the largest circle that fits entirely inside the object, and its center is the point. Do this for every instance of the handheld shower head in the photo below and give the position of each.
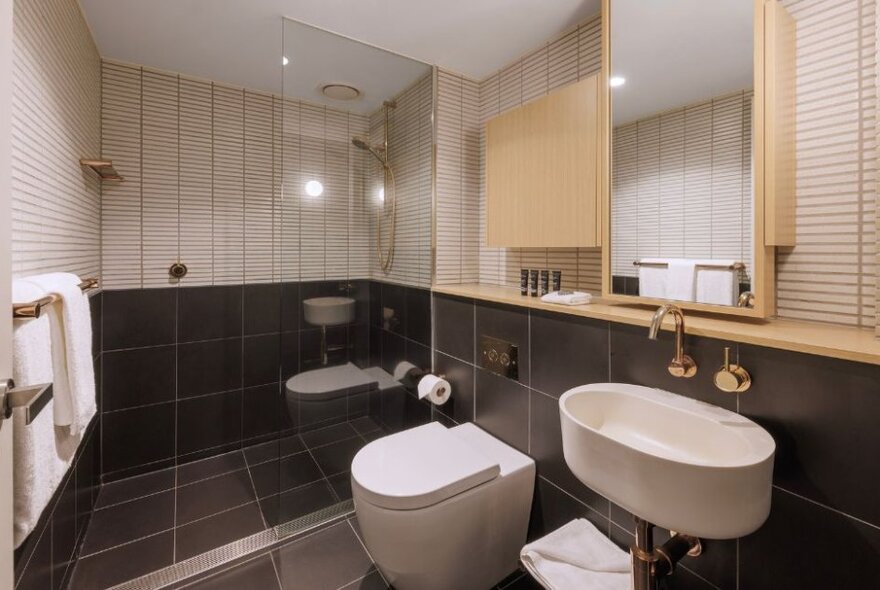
(359, 143)
(378, 152)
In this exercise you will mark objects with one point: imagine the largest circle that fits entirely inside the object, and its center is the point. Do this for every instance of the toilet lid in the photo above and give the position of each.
(419, 467)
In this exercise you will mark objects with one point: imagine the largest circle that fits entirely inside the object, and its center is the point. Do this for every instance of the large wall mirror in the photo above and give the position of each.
(686, 137)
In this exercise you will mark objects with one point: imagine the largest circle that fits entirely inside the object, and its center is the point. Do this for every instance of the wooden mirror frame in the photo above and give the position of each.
(773, 179)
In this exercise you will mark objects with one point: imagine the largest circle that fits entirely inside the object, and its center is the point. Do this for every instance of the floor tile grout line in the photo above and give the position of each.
(367, 551)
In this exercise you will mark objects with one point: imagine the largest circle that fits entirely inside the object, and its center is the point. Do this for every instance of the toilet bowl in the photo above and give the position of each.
(443, 508)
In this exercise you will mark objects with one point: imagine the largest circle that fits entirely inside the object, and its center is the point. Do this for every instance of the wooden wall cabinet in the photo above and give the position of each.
(543, 171)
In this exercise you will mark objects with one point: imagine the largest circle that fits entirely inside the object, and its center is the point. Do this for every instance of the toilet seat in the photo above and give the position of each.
(419, 467)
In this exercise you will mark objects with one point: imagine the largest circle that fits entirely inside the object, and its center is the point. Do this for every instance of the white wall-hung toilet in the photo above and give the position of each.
(443, 508)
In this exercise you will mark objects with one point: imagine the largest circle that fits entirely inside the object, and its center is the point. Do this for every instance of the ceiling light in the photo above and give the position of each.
(340, 92)
(616, 81)
(284, 60)
(314, 188)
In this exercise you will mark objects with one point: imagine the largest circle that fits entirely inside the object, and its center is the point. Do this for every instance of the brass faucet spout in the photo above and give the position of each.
(682, 365)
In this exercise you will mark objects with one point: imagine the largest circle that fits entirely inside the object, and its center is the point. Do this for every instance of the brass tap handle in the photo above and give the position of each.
(732, 378)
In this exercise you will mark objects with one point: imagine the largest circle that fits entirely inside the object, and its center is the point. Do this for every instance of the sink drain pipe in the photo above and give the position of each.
(650, 564)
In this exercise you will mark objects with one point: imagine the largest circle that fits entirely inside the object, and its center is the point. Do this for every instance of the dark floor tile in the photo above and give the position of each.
(209, 312)
(364, 425)
(198, 470)
(330, 434)
(138, 377)
(262, 359)
(220, 529)
(279, 476)
(507, 323)
(257, 574)
(139, 317)
(124, 563)
(138, 470)
(336, 457)
(418, 315)
(37, 573)
(552, 508)
(272, 450)
(373, 581)
(210, 496)
(208, 421)
(126, 522)
(503, 409)
(297, 502)
(261, 306)
(264, 411)
(341, 484)
(641, 361)
(135, 487)
(135, 437)
(326, 560)
(842, 552)
(454, 327)
(460, 375)
(820, 411)
(546, 449)
(567, 351)
(209, 367)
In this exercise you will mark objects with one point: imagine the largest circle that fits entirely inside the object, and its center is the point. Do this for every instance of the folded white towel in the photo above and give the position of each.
(37, 466)
(70, 324)
(577, 556)
(681, 279)
(718, 285)
(652, 279)
(571, 298)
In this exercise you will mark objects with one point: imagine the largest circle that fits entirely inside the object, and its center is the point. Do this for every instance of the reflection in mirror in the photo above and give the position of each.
(681, 192)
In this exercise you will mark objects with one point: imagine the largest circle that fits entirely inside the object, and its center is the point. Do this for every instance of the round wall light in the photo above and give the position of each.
(381, 195)
(314, 188)
(284, 60)
(617, 81)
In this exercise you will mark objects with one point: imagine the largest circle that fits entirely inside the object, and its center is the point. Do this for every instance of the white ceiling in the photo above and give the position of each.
(678, 52)
(240, 41)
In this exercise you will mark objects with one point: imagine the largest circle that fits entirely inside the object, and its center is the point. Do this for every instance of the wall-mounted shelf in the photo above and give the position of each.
(103, 168)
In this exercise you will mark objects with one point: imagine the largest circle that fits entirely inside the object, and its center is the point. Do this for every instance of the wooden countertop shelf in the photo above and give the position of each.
(853, 344)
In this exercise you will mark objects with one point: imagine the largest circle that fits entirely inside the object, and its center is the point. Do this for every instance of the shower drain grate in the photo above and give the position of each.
(237, 550)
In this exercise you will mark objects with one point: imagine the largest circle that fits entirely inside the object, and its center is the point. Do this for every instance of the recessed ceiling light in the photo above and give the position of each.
(616, 81)
(340, 92)
(314, 188)
(284, 60)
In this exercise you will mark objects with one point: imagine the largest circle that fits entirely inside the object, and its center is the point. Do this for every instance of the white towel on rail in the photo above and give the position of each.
(577, 556)
(652, 278)
(719, 286)
(38, 467)
(681, 279)
(70, 323)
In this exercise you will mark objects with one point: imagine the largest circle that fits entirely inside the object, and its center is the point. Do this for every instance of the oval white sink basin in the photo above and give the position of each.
(329, 311)
(681, 464)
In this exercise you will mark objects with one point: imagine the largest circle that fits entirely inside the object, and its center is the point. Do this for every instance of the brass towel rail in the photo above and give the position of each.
(33, 309)
(734, 266)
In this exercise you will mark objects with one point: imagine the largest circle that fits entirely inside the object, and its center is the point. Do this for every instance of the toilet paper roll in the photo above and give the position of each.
(402, 369)
(434, 388)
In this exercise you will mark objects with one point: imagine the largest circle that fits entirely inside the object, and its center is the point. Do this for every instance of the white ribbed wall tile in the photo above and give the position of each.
(259, 201)
(56, 119)
(680, 182)
(196, 190)
(228, 185)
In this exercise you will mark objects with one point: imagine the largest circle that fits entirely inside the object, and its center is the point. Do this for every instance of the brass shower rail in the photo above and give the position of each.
(33, 309)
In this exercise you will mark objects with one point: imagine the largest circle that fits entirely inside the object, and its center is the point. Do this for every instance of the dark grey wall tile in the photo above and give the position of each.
(261, 308)
(96, 309)
(393, 350)
(37, 575)
(418, 315)
(142, 317)
(637, 359)
(460, 375)
(546, 448)
(552, 508)
(138, 377)
(138, 436)
(261, 359)
(290, 355)
(209, 367)
(419, 355)
(375, 304)
(86, 484)
(264, 411)
(454, 327)
(503, 409)
(567, 351)
(506, 323)
(841, 552)
(291, 308)
(394, 308)
(208, 421)
(823, 415)
(209, 312)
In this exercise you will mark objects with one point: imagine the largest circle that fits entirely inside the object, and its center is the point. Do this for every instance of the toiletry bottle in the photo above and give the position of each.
(533, 283)
(524, 281)
(545, 282)
(557, 280)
